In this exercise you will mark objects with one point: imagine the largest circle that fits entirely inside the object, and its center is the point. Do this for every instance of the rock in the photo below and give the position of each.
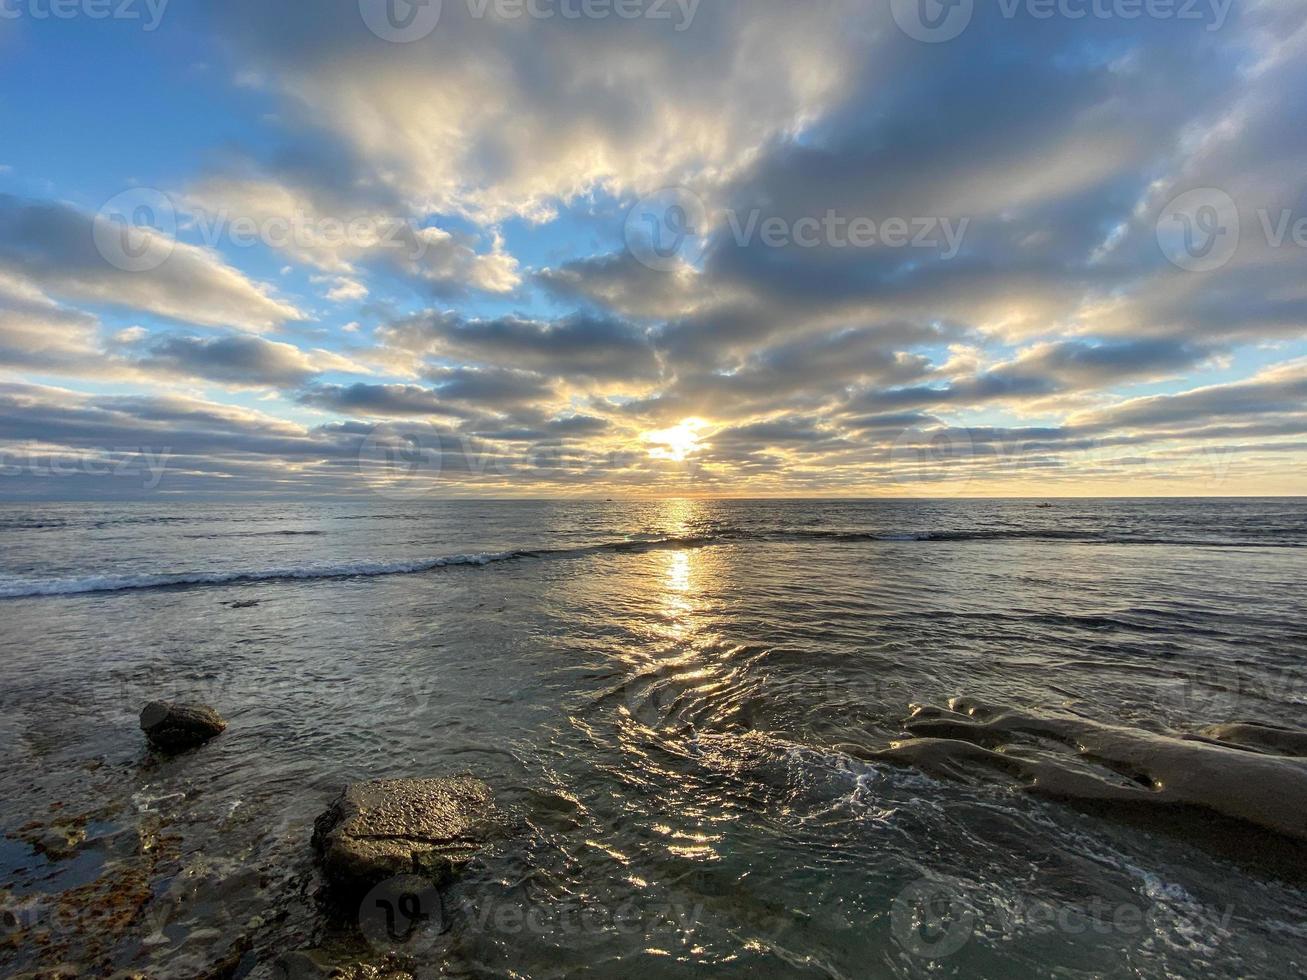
(1267, 739)
(428, 827)
(178, 727)
(1111, 764)
(314, 964)
(61, 841)
(302, 964)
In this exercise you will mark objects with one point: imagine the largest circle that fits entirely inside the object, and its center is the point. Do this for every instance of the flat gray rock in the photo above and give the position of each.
(177, 727)
(429, 827)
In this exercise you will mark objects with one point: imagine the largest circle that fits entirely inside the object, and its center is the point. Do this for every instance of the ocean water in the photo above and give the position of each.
(668, 699)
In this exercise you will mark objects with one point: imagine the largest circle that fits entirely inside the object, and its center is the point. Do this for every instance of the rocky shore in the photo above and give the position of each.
(384, 852)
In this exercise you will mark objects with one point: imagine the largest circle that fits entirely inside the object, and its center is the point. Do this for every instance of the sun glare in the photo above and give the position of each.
(677, 443)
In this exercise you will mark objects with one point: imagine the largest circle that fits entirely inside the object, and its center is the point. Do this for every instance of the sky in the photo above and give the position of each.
(642, 248)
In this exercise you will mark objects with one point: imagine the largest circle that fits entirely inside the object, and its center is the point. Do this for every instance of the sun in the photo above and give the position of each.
(677, 443)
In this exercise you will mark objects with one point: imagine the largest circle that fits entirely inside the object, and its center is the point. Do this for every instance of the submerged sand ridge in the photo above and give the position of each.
(1250, 773)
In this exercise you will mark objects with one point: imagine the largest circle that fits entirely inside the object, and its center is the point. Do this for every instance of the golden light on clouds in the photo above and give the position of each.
(679, 442)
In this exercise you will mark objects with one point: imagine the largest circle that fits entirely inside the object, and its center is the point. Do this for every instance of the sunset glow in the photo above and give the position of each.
(815, 250)
(678, 443)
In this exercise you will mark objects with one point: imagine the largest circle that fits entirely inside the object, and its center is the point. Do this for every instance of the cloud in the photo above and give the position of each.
(495, 117)
(1086, 364)
(53, 246)
(343, 289)
(580, 348)
(241, 361)
(490, 387)
(37, 333)
(1277, 391)
(379, 401)
(621, 284)
(1043, 371)
(346, 230)
(498, 159)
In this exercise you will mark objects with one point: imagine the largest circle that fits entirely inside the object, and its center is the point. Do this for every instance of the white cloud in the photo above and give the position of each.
(52, 246)
(493, 118)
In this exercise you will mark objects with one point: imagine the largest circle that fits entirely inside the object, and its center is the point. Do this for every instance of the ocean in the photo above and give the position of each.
(674, 703)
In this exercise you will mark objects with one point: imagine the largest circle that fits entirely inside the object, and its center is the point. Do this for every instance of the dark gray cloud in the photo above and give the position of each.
(379, 401)
(490, 387)
(1282, 391)
(1085, 363)
(235, 360)
(621, 284)
(1043, 371)
(578, 348)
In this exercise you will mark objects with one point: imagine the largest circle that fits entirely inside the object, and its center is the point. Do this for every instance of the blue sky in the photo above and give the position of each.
(304, 257)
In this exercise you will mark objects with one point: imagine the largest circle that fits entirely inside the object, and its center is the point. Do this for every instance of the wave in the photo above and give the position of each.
(1022, 534)
(254, 534)
(344, 570)
(368, 569)
(124, 583)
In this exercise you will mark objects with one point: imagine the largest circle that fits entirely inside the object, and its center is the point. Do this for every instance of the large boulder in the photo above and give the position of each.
(177, 727)
(380, 830)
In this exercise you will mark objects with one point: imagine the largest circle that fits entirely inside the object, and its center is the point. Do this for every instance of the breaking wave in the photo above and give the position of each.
(23, 588)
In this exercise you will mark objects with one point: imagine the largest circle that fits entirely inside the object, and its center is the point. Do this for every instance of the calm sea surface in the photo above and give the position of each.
(662, 696)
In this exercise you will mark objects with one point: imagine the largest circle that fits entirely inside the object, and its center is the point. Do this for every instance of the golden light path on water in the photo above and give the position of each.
(675, 673)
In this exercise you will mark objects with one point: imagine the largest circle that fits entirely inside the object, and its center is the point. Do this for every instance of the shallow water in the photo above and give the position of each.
(663, 697)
